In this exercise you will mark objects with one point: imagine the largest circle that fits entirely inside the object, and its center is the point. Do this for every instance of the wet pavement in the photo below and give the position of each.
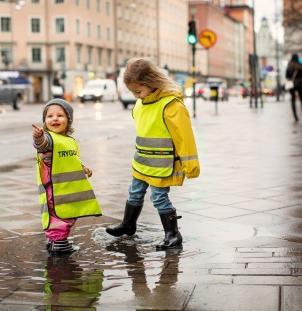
(241, 222)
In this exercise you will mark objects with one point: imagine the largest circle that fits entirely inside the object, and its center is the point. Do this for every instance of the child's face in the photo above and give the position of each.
(139, 90)
(56, 119)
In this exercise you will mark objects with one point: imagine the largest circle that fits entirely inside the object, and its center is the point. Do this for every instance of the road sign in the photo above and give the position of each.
(207, 38)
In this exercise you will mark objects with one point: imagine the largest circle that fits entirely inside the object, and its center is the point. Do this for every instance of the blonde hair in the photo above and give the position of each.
(143, 71)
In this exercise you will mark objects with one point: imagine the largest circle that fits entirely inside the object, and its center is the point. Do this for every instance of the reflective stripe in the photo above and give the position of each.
(69, 176)
(64, 177)
(154, 162)
(74, 197)
(155, 152)
(154, 142)
(189, 158)
(44, 208)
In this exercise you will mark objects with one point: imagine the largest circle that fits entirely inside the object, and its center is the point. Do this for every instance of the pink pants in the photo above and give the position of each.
(59, 229)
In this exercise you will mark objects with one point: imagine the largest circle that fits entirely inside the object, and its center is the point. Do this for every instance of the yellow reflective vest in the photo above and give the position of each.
(175, 119)
(72, 192)
(154, 154)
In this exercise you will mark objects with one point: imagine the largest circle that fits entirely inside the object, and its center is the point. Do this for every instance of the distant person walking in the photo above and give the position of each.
(64, 191)
(294, 74)
(165, 148)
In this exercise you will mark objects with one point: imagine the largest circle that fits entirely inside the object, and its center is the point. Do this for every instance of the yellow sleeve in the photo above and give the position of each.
(178, 122)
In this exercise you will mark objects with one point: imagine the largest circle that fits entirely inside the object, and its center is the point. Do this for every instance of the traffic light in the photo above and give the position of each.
(192, 38)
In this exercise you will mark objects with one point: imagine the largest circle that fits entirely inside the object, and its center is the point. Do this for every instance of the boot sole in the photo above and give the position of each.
(119, 234)
(162, 248)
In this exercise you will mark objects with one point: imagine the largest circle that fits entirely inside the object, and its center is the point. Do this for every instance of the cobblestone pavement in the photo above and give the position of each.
(241, 220)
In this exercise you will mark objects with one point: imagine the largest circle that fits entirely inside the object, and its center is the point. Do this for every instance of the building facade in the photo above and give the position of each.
(136, 29)
(73, 39)
(226, 59)
(154, 29)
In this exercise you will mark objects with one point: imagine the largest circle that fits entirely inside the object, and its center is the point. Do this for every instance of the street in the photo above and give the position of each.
(241, 219)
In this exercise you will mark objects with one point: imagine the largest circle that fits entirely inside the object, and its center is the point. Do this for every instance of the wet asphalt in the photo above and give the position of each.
(241, 219)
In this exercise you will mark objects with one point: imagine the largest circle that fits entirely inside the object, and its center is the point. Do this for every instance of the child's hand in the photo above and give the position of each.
(88, 171)
(37, 131)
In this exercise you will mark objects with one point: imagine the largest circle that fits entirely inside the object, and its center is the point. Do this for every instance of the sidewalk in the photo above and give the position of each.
(241, 221)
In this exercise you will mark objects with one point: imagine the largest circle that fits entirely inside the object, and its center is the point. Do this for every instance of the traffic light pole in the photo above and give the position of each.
(193, 78)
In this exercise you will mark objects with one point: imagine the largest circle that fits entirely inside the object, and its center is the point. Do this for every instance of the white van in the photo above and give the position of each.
(99, 90)
(124, 95)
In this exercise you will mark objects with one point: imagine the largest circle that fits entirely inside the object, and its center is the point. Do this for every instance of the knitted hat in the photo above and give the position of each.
(62, 103)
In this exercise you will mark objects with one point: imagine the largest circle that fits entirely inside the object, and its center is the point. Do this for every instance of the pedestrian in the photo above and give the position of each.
(165, 148)
(64, 191)
(294, 74)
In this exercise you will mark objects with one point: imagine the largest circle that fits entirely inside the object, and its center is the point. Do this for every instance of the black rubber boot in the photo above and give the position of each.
(62, 247)
(173, 238)
(128, 225)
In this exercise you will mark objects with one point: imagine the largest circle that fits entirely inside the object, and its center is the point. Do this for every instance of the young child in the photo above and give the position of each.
(165, 148)
(64, 191)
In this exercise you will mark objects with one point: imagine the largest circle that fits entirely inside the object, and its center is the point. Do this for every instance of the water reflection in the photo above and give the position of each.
(148, 280)
(67, 285)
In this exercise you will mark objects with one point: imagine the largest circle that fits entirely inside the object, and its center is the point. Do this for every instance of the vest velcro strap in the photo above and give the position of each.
(189, 158)
(154, 142)
(68, 176)
(155, 152)
(154, 162)
(74, 197)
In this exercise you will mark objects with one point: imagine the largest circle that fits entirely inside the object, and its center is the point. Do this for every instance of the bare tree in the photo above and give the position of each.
(292, 22)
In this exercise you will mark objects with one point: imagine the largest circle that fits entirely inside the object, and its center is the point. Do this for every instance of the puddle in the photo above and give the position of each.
(102, 265)
(106, 269)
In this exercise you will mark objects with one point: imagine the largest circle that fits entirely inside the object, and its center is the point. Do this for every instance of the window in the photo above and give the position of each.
(98, 31)
(60, 55)
(35, 25)
(60, 25)
(5, 24)
(59, 1)
(6, 56)
(77, 26)
(89, 51)
(36, 55)
(98, 5)
(109, 57)
(35, 1)
(108, 34)
(88, 29)
(77, 2)
(87, 4)
(79, 52)
(100, 56)
(107, 8)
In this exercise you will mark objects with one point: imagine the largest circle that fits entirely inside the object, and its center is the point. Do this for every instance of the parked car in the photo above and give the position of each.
(12, 91)
(99, 90)
(239, 90)
(124, 95)
(57, 91)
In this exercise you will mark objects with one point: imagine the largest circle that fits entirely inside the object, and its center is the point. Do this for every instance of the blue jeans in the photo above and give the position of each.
(159, 196)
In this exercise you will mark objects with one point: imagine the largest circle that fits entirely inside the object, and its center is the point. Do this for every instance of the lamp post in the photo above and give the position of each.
(277, 54)
(256, 80)
(192, 40)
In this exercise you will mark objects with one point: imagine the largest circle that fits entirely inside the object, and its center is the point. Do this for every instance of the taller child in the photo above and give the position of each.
(165, 148)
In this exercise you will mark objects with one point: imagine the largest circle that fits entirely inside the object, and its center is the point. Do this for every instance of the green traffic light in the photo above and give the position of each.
(191, 39)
